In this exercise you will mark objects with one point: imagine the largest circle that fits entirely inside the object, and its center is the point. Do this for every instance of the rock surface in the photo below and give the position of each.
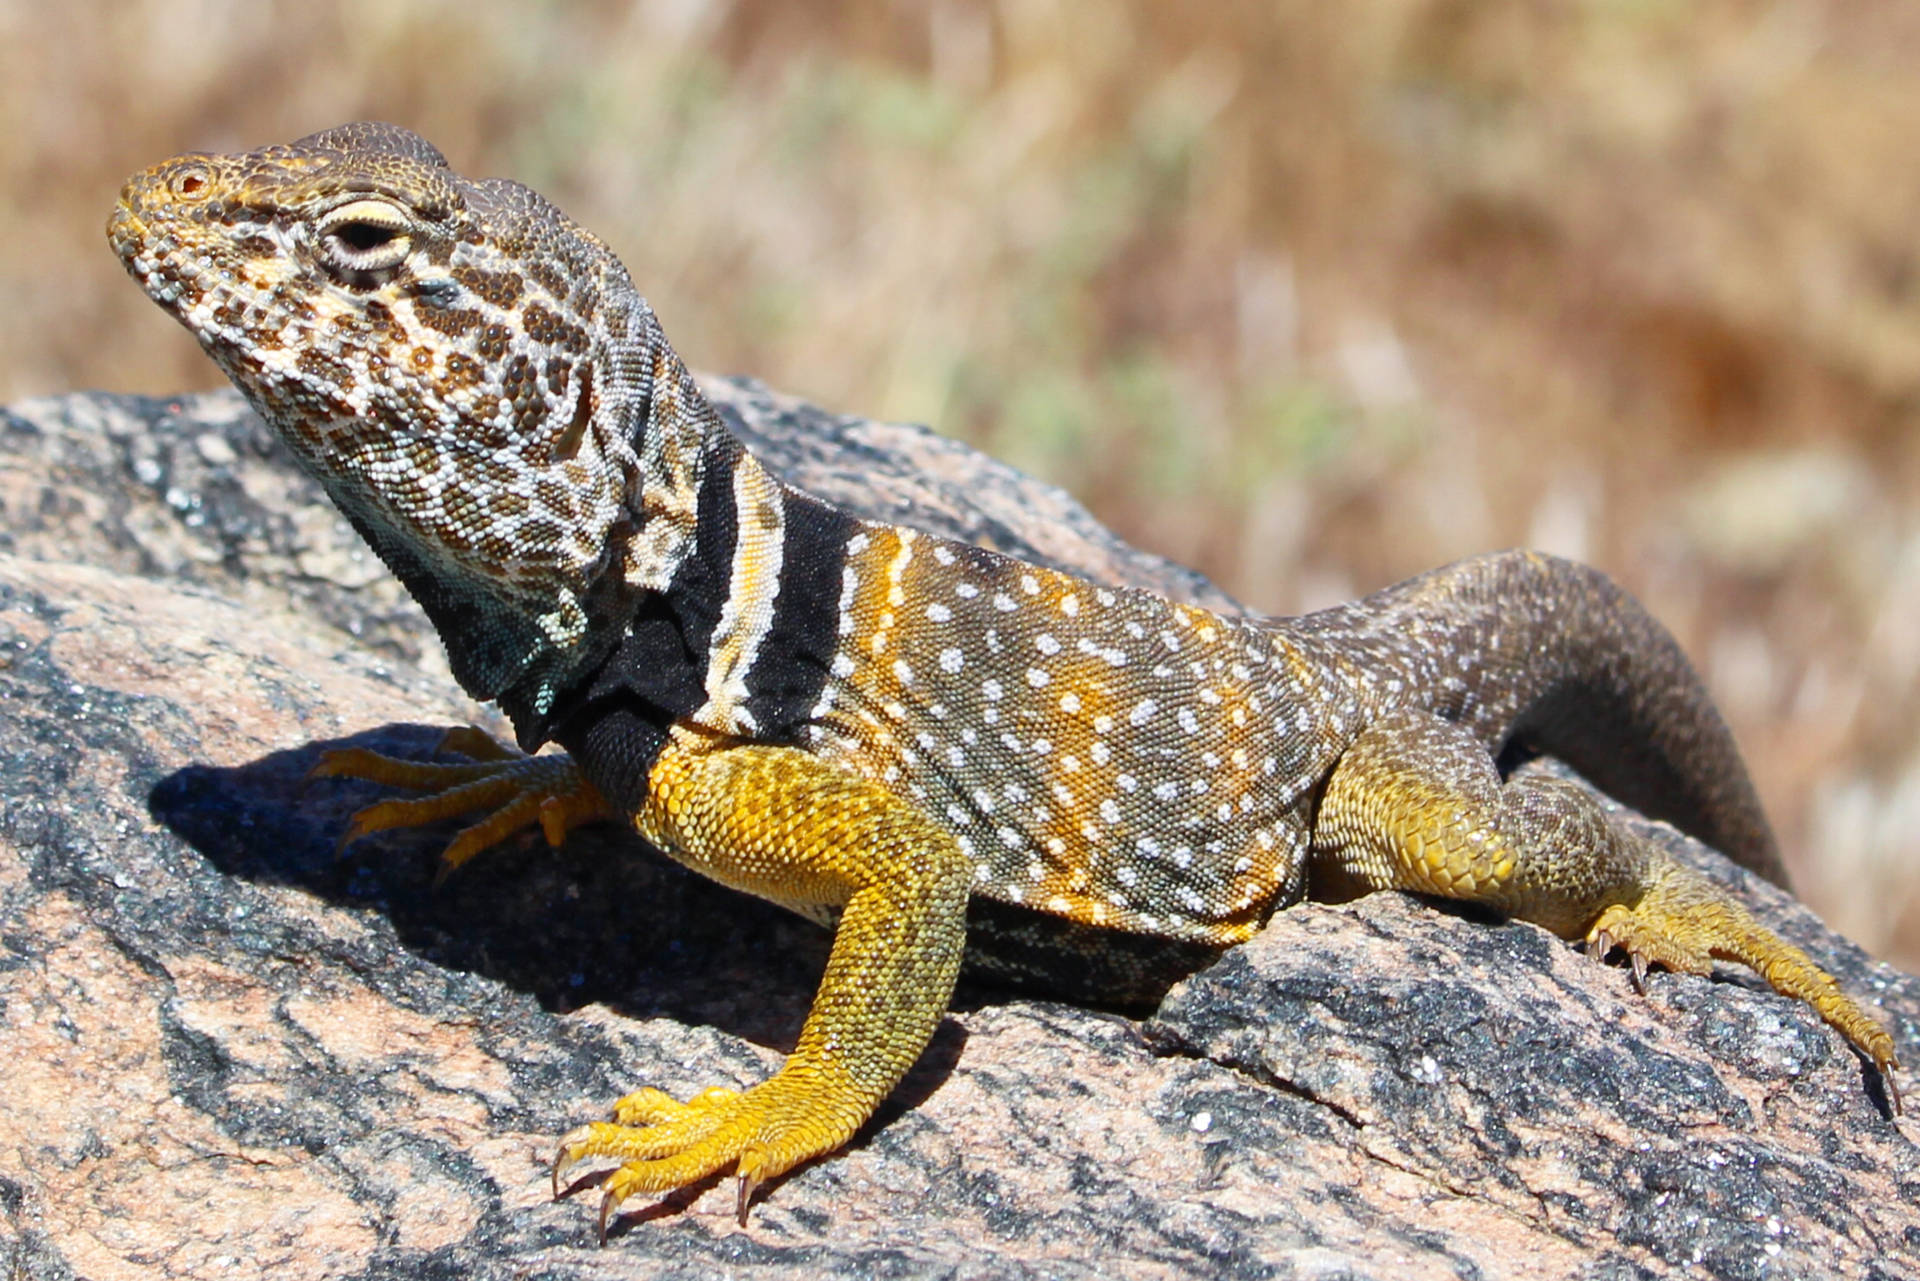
(229, 1052)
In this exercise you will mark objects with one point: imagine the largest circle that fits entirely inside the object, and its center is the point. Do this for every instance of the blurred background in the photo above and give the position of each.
(1311, 296)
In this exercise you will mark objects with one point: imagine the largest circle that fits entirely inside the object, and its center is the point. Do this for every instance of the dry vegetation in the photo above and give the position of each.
(1310, 295)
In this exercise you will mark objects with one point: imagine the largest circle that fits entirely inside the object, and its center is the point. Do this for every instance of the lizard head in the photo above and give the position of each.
(468, 372)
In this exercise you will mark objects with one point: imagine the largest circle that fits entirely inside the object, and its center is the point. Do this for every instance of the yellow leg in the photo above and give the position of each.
(1681, 919)
(519, 790)
(776, 822)
(1416, 804)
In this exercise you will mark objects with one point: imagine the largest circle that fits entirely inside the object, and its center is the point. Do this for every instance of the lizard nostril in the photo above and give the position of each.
(189, 183)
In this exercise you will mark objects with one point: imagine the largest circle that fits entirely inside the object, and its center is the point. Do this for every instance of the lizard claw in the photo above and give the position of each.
(749, 1183)
(1600, 945)
(575, 1146)
(607, 1203)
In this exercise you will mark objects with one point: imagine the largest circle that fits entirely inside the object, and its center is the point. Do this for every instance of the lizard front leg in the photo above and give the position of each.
(517, 791)
(1416, 804)
(778, 823)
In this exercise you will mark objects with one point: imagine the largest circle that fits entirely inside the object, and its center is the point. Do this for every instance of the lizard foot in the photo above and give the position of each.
(520, 790)
(1683, 921)
(762, 1133)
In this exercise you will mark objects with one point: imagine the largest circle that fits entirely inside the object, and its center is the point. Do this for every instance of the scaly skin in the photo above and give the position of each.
(937, 747)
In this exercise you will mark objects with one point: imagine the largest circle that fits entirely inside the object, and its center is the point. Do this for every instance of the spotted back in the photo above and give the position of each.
(1102, 754)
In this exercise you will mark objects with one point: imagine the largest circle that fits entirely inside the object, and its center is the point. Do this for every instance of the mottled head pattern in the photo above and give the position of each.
(470, 374)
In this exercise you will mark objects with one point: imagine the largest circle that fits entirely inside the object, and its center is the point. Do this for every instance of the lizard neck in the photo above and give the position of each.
(737, 635)
(575, 533)
(658, 447)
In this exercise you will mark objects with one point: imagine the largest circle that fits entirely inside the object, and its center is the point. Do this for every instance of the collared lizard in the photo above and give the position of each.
(935, 749)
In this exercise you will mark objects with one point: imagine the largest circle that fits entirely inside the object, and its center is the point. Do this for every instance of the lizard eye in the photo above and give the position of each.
(365, 238)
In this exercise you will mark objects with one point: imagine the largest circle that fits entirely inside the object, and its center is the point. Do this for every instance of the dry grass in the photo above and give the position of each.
(1310, 295)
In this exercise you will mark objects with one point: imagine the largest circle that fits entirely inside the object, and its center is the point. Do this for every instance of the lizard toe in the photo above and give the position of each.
(652, 1107)
(515, 791)
(761, 1133)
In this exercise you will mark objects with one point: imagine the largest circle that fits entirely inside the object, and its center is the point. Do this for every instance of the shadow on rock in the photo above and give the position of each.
(602, 919)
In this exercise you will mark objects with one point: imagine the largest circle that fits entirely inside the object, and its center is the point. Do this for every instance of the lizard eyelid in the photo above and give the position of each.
(364, 237)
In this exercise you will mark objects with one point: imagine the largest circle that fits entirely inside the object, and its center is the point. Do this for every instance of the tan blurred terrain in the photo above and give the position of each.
(1311, 296)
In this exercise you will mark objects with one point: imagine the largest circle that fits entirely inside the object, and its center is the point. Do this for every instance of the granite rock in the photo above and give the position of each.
(232, 1051)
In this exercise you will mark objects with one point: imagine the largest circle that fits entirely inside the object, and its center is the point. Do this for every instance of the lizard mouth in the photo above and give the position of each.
(129, 234)
(125, 229)
(153, 255)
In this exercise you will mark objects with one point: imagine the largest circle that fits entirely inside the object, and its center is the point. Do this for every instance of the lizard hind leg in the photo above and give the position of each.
(1417, 804)
(1682, 919)
(516, 790)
